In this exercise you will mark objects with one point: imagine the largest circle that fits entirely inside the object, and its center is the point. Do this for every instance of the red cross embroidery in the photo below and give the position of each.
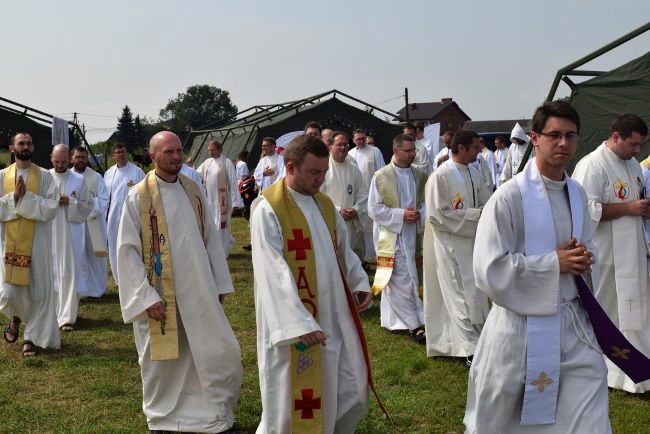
(307, 404)
(299, 244)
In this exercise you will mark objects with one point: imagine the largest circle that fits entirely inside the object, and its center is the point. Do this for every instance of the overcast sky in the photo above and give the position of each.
(496, 59)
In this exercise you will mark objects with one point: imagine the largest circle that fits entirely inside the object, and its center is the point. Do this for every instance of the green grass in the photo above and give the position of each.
(92, 385)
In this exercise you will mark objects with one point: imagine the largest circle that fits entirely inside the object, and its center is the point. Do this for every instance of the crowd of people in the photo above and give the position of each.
(478, 254)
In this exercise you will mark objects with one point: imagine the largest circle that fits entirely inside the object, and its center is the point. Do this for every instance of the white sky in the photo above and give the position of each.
(497, 59)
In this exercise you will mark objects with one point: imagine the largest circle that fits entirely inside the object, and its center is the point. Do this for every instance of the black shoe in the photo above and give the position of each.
(419, 336)
(468, 361)
(248, 247)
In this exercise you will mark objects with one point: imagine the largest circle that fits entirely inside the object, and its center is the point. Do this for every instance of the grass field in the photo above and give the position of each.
(92, 385)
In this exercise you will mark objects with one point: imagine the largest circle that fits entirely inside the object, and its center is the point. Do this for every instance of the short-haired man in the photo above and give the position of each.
(270, 168)
(537, 366)
(500, 154)
(484, 163)
(421, 161)
(313, 128)
(516, 152)
(618, 205)
(313, 373)
(369, 160)
(189, 357)
(326, 136)
(344, 185)
(445, 151)
(396, 204)
(455, 195)
(119, 179)
(68, 230)
(93, 266)
(222, 188)
(30, 200)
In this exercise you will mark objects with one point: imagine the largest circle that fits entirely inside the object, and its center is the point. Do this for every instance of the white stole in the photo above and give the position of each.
(461, 199)
(624, 188)
(543, 333)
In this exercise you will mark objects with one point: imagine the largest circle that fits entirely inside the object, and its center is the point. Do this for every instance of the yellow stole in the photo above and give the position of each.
(156, 255)
(97, 238)
(222, 196)
(306, 371)
(387, 185)
(19, 233)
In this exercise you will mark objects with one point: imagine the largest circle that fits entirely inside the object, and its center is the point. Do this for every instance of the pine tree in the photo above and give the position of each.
(126, 129)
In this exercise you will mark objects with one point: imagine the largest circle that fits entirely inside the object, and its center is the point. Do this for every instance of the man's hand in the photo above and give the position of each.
(157, 311)
(64, 200)
(20, 189)
(443, 158)
(639, 208)
(345, 214)
(353, 213)
(574, 258)
(313, 338)
(411, 215)
(364, 298)
(268, 171)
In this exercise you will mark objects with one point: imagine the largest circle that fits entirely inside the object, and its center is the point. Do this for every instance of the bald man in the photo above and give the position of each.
(189, 357)
(68, 232)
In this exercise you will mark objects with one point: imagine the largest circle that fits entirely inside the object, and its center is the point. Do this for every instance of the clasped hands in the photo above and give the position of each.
(574, 258)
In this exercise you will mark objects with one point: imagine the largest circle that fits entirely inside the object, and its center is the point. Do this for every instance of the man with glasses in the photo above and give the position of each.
(396, 204)
(455, 310)
(344, 185)
(421, 161)
(271, 167)
(618, 205)
(537, 366)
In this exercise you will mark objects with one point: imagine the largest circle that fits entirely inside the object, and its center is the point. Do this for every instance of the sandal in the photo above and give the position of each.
(10, 335)
(419, 336)
(29, 350)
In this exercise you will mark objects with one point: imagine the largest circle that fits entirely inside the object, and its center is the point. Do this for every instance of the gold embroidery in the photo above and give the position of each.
(623, 353)
(542, 382)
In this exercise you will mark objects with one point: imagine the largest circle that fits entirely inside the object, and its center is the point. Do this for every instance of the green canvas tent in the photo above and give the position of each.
(275, 120)
(600, 100)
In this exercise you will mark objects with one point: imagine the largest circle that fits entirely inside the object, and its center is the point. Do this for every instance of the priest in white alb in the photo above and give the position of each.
(619, 205)
(396, 205)
(455, 310)
(68, 229)
(270, 168)
(119, 179)
(344, 185)
(28, 202)
(538, 367)
(500, 154)
(220, 178)
(519, 142)
(93, 266)
(422, 160)
(369, 160)
(189, 357)
(311, 353)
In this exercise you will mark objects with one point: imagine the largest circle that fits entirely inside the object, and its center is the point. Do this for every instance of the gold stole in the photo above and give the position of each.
(306, 371)
(222, 193)
(19, 233)
(97, 238)
(156, 255)
(387, 185)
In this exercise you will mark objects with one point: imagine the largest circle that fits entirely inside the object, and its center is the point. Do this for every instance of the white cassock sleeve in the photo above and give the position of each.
(100, 202)
(594, 181)
(216, 255)
(40, 208)
(80, 207)
(361, 202)
(442, 215)
(506, 174)
(354, 273)
(235, 197)
(136, 295)
(524, 284)
(379, 159)
(386, 217)
(275, 288)
(259, 177)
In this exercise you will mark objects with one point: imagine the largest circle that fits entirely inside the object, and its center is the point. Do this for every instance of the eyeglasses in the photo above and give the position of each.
(408, 151)
(556, 136)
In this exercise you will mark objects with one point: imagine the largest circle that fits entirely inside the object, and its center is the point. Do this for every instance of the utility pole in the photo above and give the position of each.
(406, 98)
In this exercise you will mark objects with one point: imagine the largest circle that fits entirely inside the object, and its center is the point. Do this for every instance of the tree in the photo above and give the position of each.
(125, 129)
(198, 106)
(138, 131)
